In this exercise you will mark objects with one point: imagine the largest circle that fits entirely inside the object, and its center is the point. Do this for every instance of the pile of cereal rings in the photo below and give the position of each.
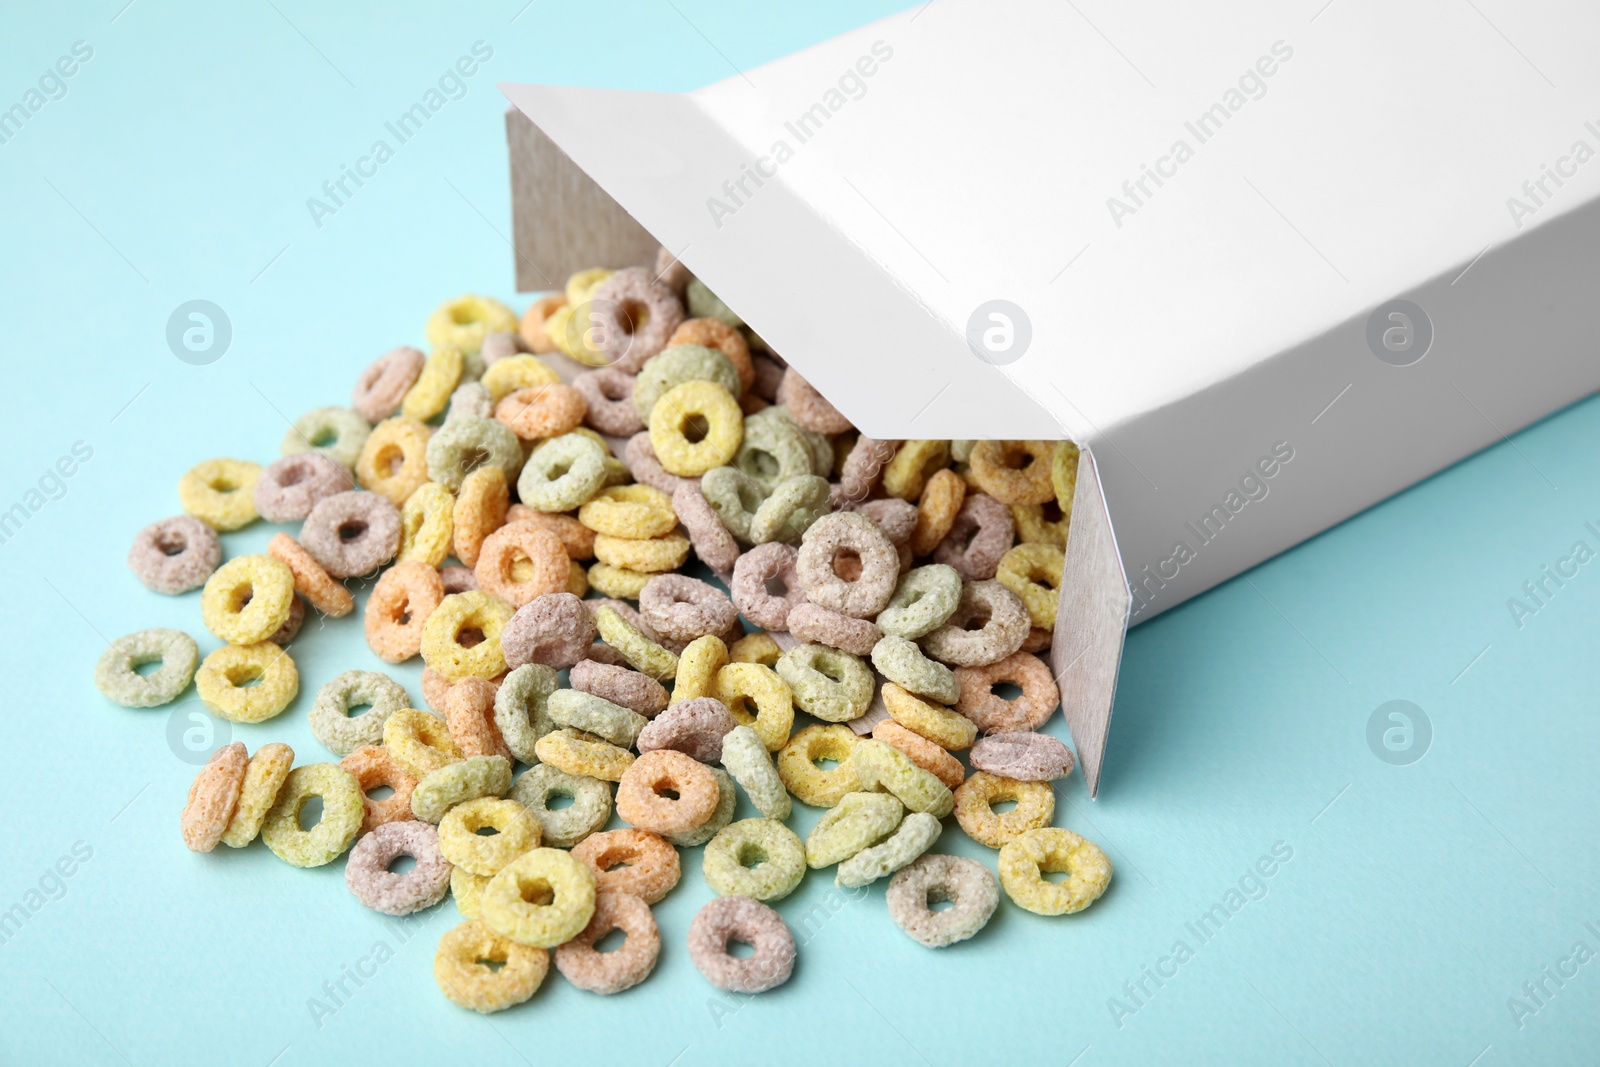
(527, 537)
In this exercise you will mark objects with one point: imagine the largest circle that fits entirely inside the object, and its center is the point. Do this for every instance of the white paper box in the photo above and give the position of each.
(1272, 266)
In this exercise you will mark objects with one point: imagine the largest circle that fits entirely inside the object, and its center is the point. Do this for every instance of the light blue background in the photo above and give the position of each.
(1418, 899)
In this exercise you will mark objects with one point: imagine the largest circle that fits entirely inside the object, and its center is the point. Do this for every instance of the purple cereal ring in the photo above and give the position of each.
(808, 407)
(632, 689)
(896, 517)
(499, 345)
(684, 608)
(290, 487)
(600, 652)
(614, 317)
(175, 555)
(640, 457)
(861, 470)
(745, 919)
(694, 727)
(712, 542)
(841, 534)
(815, 624)
(752, 591)
(367, 872)
(1005, 626)
(554, 629)
(982, 533)
(458, 579)
(671, 272)
(609, 392)
(769, 378)
(352, 533)
(1027, 757)
(385, 382)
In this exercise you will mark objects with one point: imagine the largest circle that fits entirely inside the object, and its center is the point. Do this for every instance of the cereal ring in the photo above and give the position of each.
(461, 638)
(620, 685)
(263, 777)
(457, 579)
(1064, 477)
(704, 304)
(464, 444)
(843, 533)
(859, 820)
(676, 365)
(913, 464)
(727, 801)
(938, 724)
(367, 872)
(608, 393)
(420, 742)
(576, 538)
(595, 715)
(799, 765)
(631, 316)
(247, 599)
(463, 322)
(519, 709)
(617, 969)
(569, 826)
(698, 665)
(808, 407)
(342, 809)
(521, 562)
(457, 783)
(693, 727)
(533, 330)
(481, 507)
(937, 509)
(738, 683)
(882, 766)
(374, 766)
(541, 411)
(695, 426)
(310, 580)
(746, 759)
(1033, 572)
(506, 376)
(923, 601)
(562, 473)
(516, 832)
(427, 525)
(903, 663)
(543, 873)
(726, 919)
(714, 333)
(441, 373)
(862, 467)
(290, 487)
(981, 534)
(828, 684)
(642, 792)
(117, 675)
(385, 381)
(629, 511)
(966, 884)
(919, 750)
(755, 648)
(214, 797)
(815, 624)
(757, 858)
(974, 808)
(175, 555)
(584, 756)
(1050, 850)
(636, 862)
(643, 556)
(640, 459)
(617, 582)
(709, 537)
(394, 461)
(352, 533)
(643, 653)
(470, 400)
(342, 733)
(469, 713)
(995, 714)
(581, 286)
(221, 493)
(554, 629)
(335, 433)
(247, 683)
(1005, 627)
(1041, 524)
(754, 575)
(795, 504)
(461, 967)
(1014, 472)
(685, 608)
(915, 835)
(735, 497)
(405, 597)
(1038, 640)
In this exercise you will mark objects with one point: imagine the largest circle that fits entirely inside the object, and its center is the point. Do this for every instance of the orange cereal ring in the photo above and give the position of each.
(642, 792)
(714, 333)
(521, 562)
(937, 509)
(480, 510)
(325, 593)
(1014, 472)
(394, 461)
(995, 714)
(542, 411)
(575, 537)
(374, 766)
(213, 797)
(399, 607)
(533, 320)
(469, 712)
(630, 861)
(919, 750)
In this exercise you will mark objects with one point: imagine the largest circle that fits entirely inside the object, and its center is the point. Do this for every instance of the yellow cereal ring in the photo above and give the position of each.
(581, 286)
(1051, 850)
(427, 525)
(619, 582)
(698, 665)
(463, 322)
(577, 579)
(703, 409)
(481, 508)
(1034, 526)
(431, 393)
(653, 555)
(633, 511)
(222, 679)
(555, 329)
(1014, 472)
(977, 796)
(739, 683)
(456, 616)
(583, 755)
(1033, 572)
(913, 464)
(343, 806)
(1064, 476)
(461, 968)
(221, 493)
(810, 783)
(882, 766)
(247, 599)
(516, 831)
(263, 779)
(642, 654)
(755, 648)
(948, 729)
(569, 883)
(506, 376)
(394, 461)
(420, 743)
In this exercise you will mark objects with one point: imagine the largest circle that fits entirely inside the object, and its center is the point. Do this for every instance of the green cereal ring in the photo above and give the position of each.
(541, 874)
(1026, 859)
(595, 715)
(810, 783)
(858, 821)
(342, 733)
(772, 451)
(745, 756)
(704, 304)
(903, 663)
(457, 783)
(562, 473)
(342, 808)
(923, 601)
(643, 654)
(516, 831)
(563, 827)
(520, 712)
(916, 834)
(464, 444)
(882, 766)
(760, 858)
(820, 445)
(727, 800)
(338, 433)
(117, 675)
(831, 685)
(735, 497)
(678, 364)
(791, 509)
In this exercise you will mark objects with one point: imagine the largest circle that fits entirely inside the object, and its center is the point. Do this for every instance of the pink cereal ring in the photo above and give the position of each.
(861, 470)
(555, 630)
(632, 689)
(841, 535)
(384, 384)
(712, 542)
(994, 714)
(609, 392)
(587, 967)
(815, 624)
(684, 608)
(631, 316)
(808, 407)
(175, 555)
(746, 919)
(982, 533)
(290, 487)
(753, 576)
